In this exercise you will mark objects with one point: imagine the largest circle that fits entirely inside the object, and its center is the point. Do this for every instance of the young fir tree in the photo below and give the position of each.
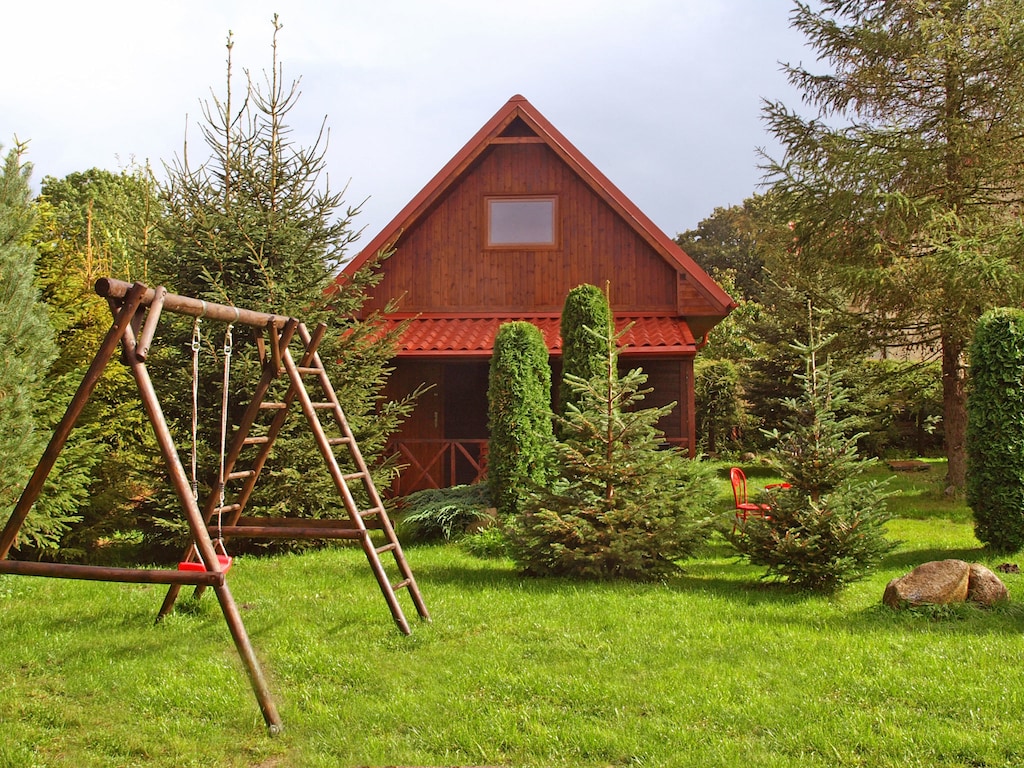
(827, 528)
(519, 415)
(621, 505)
(995, 430)
(29, 401)
(257, 226)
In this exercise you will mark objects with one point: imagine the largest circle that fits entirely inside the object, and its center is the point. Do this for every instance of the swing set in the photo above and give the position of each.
(136, 310)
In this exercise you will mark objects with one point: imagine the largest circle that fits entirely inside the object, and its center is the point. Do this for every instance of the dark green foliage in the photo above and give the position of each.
(444, 514)
(828, 528)
(257, 226)
(901, 171)
(622, 506)
(995, 430)
(519, 415)
(717, 394)
(28, 400)
(94, 224)
(583, 353)
(901, 406)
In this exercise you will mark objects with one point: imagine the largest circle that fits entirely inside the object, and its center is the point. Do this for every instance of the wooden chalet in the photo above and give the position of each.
(513, 222)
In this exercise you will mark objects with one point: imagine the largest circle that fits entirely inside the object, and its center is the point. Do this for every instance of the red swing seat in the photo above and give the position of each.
(197, 565)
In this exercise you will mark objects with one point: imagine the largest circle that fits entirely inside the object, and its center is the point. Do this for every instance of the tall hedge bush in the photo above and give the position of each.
(583, 353)
(995, 430)
(519, 414)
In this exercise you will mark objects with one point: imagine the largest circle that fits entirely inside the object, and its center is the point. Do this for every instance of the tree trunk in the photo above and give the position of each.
(954, 409)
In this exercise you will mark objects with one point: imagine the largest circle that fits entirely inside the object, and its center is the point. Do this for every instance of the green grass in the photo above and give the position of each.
(714, 668)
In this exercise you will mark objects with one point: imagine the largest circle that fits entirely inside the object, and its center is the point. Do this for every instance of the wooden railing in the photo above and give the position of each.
(439, 463)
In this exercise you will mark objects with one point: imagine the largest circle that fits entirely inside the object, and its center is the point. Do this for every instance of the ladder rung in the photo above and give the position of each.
(386, 548)
(227, 508)
(309, 371)
(371, 512)
(323, 406)
(273, 406)
(259, 440)
(241, 475)
(353, 476)
(338, 440)
(401, 585)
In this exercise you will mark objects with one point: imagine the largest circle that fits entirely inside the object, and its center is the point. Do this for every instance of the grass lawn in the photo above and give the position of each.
(714, 668)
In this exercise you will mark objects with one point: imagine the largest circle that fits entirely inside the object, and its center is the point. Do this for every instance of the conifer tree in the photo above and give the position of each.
(827, 528)
(96, 224)
(257, 225)
(26, 337)
(995, 431)
(519, 415)
(904, 178)
(621, 504)
(583, 353)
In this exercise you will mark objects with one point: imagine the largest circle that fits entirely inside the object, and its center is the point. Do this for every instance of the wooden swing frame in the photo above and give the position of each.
(133, 329)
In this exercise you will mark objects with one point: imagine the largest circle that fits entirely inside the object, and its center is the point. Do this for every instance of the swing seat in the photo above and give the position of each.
(197, 565)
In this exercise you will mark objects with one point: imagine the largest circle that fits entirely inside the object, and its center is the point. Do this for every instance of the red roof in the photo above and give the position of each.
(443, 336)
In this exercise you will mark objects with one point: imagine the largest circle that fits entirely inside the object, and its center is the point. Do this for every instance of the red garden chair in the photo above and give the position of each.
(744, 507)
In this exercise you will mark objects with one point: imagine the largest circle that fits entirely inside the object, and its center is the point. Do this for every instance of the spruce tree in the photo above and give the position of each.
(519, 415)
(621, 505)
(256, 225)
(827, 528)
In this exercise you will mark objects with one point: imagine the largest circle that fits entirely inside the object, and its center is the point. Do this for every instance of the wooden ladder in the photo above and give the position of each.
(362, 522)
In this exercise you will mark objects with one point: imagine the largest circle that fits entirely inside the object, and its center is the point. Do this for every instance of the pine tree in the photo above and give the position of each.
(621, 506)
(827, 528)
(27, 340)
(519, 415)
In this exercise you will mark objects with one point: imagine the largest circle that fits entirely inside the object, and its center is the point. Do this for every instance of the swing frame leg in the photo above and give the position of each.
(248, 655)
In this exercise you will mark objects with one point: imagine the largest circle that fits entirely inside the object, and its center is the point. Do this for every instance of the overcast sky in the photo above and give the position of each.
(664, 96)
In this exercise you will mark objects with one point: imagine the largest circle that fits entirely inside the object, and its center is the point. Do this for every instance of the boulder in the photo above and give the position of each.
(985, 587)
(945, 581)
(937, 583)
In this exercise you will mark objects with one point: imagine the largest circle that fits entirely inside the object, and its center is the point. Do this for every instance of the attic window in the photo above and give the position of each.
(517, 221)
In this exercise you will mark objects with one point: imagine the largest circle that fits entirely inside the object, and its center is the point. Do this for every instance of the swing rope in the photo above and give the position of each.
(222, 556)
(197, 340)
(228, 345)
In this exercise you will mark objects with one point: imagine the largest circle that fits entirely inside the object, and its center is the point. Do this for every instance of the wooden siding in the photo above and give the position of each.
(443, 265)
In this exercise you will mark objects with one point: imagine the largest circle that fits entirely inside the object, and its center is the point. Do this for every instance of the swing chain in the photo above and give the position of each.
(228, 346)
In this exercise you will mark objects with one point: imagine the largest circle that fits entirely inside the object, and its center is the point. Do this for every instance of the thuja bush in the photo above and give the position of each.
(584, 310)
(519, 415)
(621, 505)
(827, 529)
(995, 430)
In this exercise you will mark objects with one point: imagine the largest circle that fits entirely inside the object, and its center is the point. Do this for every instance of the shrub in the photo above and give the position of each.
(827, 529)
(995, 430)
(717, 396)
(620, 506)
(583, 352)
(444, 513)
(519, 414)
